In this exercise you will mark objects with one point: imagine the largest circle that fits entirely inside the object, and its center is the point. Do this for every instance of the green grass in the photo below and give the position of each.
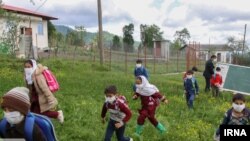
(81, 98)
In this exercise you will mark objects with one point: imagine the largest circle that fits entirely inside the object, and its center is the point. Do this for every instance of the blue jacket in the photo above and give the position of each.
(141, 71)
(191, 86)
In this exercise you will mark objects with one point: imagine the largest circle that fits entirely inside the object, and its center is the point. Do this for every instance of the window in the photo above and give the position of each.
(40, 28)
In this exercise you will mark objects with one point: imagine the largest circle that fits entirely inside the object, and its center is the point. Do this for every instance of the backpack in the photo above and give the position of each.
(42, 122)
(51, 80)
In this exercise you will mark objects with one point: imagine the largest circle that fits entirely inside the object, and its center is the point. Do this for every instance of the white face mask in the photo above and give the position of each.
(238, 108)
(28, 75)
(215, 60)
(139, 86)
(14, 117)
(138, 65)
(110, 99)
(189, 76)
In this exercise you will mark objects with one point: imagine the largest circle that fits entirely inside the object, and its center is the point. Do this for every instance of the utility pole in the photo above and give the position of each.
(100, 31)
(244, 38)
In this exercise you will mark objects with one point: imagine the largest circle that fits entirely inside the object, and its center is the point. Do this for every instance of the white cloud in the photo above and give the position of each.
(214, 19)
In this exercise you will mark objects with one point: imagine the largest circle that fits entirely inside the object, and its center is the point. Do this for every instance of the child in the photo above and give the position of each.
(139, 70)
(150, 97)
(119, 114)
(237, 115)
(43, 100)
(16, 105)
(194, 69)
(216, 81)
(191, 88)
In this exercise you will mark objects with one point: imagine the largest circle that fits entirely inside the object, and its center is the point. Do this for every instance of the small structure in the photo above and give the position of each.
(161, 49)
(222, 51)
(32, 28)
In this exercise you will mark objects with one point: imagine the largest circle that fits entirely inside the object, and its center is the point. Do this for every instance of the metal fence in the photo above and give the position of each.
(179, 60)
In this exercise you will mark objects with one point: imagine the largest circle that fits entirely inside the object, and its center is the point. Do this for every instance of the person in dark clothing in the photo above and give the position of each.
(209, 71)
(16, 105)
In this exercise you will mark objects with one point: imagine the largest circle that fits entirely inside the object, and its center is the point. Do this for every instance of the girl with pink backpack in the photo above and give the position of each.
(43, 100)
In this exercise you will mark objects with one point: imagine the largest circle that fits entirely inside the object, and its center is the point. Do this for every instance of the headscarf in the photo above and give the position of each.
(28, 74)
(146, 89)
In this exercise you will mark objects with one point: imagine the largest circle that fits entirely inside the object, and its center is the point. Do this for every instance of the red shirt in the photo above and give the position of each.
(152, 100)
(216, 80)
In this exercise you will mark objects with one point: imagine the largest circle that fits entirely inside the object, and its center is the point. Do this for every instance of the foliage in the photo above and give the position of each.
(10, 35)
(149, 34)
(182, 36)
(116, 43)
(51, 30)
(128, 39)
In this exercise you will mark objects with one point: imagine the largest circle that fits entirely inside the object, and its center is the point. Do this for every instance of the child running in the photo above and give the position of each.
(150, 98)
(119, 114)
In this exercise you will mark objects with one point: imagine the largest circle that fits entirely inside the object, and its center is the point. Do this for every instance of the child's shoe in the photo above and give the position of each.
(161, 128)
(138, 130)
(131, 139)
(60, 116)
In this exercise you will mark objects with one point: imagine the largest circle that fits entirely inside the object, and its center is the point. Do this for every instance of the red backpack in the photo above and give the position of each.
(51, 80)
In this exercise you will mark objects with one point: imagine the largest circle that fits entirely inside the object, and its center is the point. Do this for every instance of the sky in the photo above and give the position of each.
(208, 21)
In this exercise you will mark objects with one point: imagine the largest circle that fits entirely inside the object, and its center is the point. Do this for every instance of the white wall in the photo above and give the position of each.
(40, 41)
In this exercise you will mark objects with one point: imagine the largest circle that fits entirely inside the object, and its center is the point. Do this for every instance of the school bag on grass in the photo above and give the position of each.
(42, 122)
(51, 80)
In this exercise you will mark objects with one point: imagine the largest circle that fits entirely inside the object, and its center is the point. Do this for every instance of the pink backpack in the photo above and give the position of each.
(51, 80)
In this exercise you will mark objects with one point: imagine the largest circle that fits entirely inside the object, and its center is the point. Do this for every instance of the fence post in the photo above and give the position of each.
(126, 61)
(145, 55)
(177, 60)
(154, 61)
(110, 59)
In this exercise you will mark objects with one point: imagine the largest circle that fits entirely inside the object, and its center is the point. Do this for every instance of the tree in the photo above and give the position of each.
(116, 44)
(182, 36)
(149, 34)
(128, 39)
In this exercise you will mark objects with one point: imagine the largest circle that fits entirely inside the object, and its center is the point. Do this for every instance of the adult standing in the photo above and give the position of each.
(209, 71)
(42, 99)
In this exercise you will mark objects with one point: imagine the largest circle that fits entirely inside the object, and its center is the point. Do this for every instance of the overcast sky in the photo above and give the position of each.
(205, 19)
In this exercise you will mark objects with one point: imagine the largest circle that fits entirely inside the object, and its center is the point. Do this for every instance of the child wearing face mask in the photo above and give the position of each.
(43, 100)
(216, 82)
(191, 88)
(119, 114)
(150, 99)
(237, 115)
(16, 104)
(140, 70)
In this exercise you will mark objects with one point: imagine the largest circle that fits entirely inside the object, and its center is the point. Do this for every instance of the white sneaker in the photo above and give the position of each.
(60, 116)
(131, 139)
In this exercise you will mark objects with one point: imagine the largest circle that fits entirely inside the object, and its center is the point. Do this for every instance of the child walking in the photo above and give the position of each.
(119, 114)
(150, 98)
(216, 82)
(139, 70)
(237, 115)
(191, 88)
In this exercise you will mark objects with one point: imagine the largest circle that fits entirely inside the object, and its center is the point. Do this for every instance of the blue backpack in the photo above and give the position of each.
(42, 122)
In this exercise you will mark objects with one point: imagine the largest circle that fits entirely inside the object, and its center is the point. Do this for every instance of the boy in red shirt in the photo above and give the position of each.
(119, 114)
(150, 98)
(216, 82)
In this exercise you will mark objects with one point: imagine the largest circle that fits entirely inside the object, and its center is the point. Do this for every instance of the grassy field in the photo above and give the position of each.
(81, 98)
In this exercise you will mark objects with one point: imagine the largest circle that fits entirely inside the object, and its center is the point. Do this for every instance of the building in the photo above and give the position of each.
(161, 48)
(32, 29)
(222, 51)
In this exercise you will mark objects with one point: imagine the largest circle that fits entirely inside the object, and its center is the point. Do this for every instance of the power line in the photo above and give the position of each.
(40, 6)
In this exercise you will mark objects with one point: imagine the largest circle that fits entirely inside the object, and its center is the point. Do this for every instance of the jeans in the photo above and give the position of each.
(190, 100)
(119, 132)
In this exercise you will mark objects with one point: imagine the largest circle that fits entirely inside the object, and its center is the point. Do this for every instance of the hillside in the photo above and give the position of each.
(89, 36)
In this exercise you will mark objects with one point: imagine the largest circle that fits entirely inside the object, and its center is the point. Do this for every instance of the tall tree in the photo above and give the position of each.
(116, 44)
(128, 39)
(149, 34)
(182, 36)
